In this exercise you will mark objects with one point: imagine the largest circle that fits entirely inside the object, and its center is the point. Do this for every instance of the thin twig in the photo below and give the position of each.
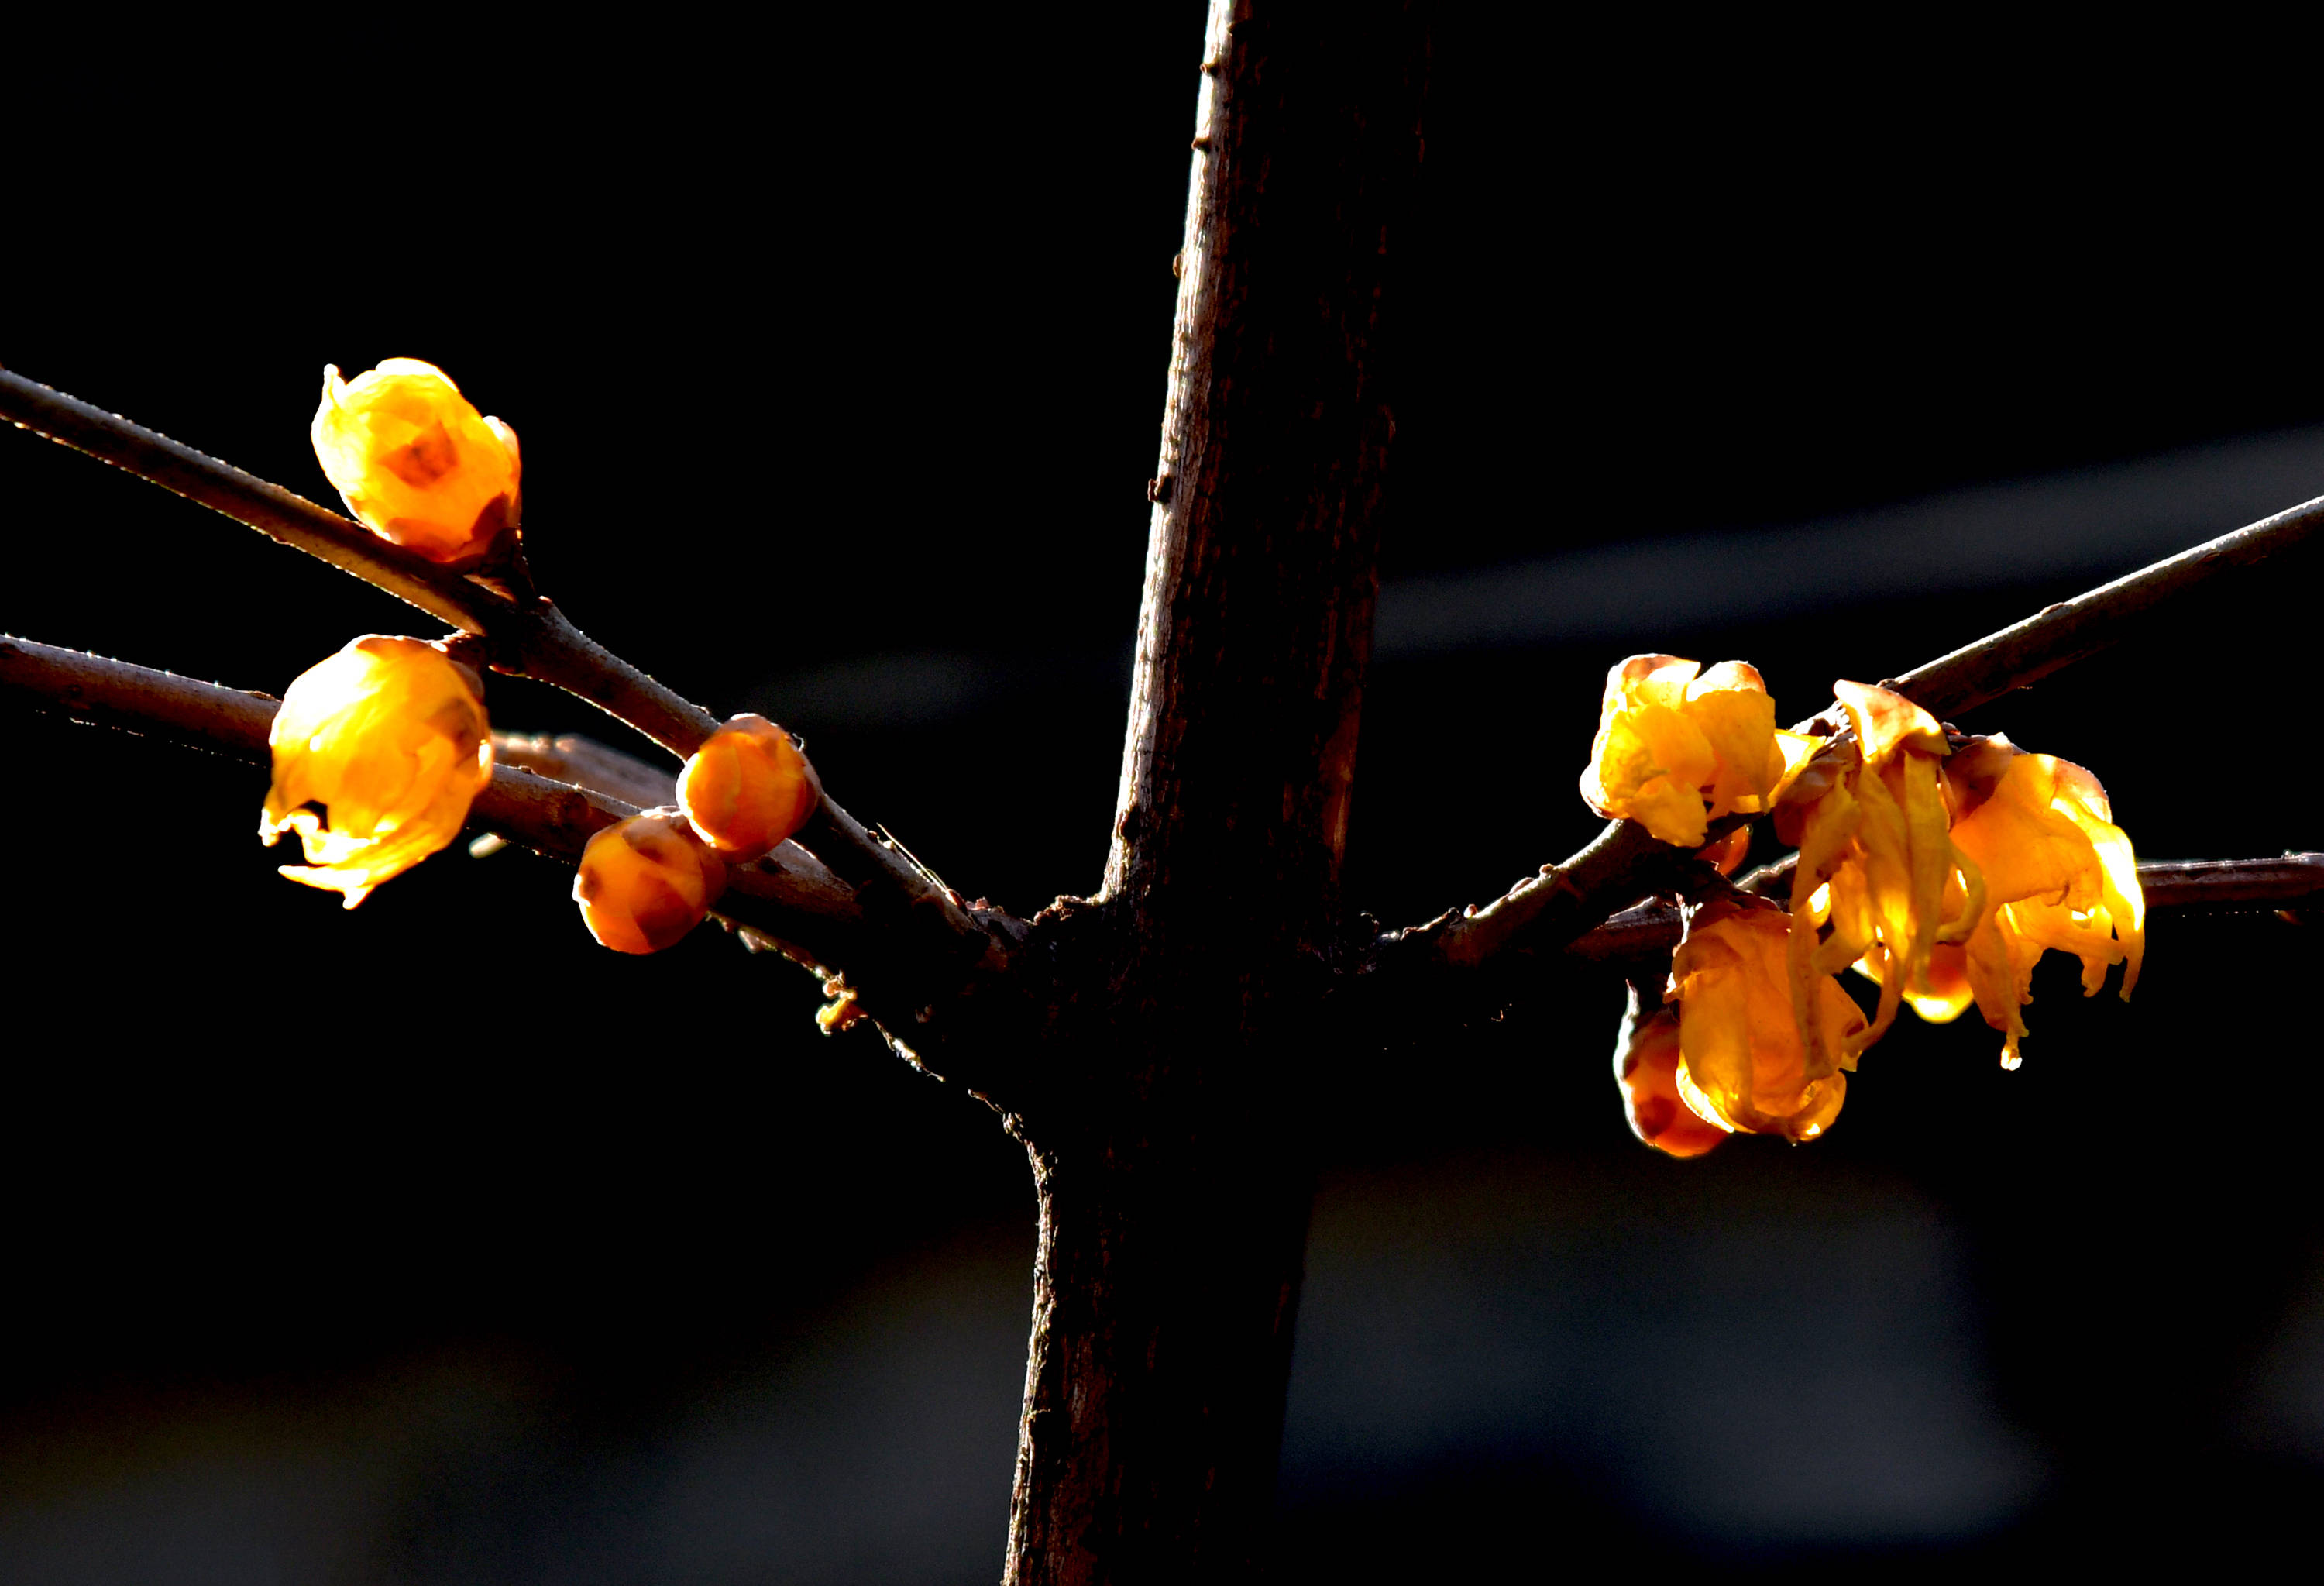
(2059, 635)
(528, 638)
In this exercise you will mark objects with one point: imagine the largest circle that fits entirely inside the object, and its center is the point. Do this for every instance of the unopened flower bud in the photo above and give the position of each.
(646, 881)
(414, 460)
(747, 788)
(390, 737)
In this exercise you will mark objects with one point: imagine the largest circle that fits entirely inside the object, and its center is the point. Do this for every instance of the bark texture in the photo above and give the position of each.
(1166, 1139)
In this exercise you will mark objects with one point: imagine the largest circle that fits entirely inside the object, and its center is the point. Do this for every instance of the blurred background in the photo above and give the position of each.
(429, 1243)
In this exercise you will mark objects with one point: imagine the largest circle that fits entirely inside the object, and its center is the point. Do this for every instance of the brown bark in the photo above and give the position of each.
(1174, 1184)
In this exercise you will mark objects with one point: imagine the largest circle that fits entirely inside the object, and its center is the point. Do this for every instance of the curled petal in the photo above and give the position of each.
(1886, 721)
(1884, 846)
(1999, 961)
(2080, 799)
(1824, 827)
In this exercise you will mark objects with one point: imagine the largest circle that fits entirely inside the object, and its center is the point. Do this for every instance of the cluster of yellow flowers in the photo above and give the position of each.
(379, 751)
(1939, 868)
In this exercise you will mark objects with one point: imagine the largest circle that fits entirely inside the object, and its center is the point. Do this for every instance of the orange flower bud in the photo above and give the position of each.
(747, 788)
(1675, 752)
(389, 736)
(646, 881)
(415, 462)
(1645, 1066)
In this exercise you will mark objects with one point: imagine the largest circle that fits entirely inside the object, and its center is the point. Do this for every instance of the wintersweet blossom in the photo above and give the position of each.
(1876, 864)
(1675, 752)
(1743, 1062)
(646, 881)
(747, 788)
(389, 736)
(2058, 872)
(1645, 1066)
(414, 460)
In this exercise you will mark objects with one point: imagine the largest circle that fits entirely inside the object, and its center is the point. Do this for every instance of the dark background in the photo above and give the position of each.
(430, 1243)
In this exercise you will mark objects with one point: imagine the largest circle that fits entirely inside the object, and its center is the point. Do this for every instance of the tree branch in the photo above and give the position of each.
(2059, 635)
(524, 637)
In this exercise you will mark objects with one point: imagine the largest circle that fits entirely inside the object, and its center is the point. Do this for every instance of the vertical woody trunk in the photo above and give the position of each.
(1168, 1144)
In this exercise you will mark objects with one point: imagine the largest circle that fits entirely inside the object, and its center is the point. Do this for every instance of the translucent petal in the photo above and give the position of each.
(415, 462)
(2024, 848)
(2079, 799)
(1946, 995)
(1999, 963)
(1739, 727)
(1886, 721)
(1745, 1055)
(1645, 1067)
(389, 736)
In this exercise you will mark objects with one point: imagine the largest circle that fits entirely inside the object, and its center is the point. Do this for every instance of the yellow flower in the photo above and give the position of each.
(646, 881)
(415, 462)
(1675, 752)
(1645, 1066)
(747, 788)
(389, 736)
(1743, 1062)
(1876, 864)
(2058, 872)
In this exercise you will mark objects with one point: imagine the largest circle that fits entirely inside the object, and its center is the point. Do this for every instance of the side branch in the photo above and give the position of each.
(525, 637)
(2059, 635)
